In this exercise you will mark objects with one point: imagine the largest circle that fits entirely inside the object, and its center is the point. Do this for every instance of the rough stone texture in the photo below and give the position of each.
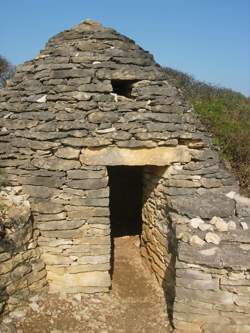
(93, 92)
(159, 156)
(22, 272)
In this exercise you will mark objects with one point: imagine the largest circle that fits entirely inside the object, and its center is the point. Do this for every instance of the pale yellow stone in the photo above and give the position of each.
(84, 279)
(158, 156)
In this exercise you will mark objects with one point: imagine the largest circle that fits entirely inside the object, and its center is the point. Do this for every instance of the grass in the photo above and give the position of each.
(226, 114)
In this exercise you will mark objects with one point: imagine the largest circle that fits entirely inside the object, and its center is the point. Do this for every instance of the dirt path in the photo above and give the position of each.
(136, 303)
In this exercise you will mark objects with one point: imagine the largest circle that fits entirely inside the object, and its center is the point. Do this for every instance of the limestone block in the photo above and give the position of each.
(84, 279)
(47, 207)
(231, 225)
(88, 184)
(98, 117)
(60, 225)
(51, 181)
(206, 205)
(196, 240)
(210, 284)
(68, 153)
(211, 237)
(159, 156)
(85, 174)
(42, 192)
(196, 222)
(205, 227)
(55, 163)
(219, 223)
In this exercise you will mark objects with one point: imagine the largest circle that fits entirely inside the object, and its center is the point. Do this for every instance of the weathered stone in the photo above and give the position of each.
(212, 238)
(85, 174)
(42, 192)
(99, 117)
(47, 207)
(50, 181)
(87, 212)
(68, 153)
(231, 225)
(54, 163)
(205, 227)
(196, 240)
(196, 222)
(88, 184)
(219, 223)
(122, 156)
(60, 225)
(244, 225)
(206, 206)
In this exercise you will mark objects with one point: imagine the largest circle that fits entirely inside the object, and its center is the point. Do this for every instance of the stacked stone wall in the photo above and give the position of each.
(22, 271)
(211, 226)
(72, 216)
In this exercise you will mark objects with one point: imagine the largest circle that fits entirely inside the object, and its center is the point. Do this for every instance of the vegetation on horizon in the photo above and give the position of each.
(226, 114)
(6, 70)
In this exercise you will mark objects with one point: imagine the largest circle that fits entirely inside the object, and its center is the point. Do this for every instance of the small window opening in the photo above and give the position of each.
(123, 87)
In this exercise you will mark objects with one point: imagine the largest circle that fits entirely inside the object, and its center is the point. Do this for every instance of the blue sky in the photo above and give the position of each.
(209, 39)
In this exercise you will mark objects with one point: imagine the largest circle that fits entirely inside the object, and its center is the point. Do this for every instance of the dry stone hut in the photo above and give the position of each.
(93, 134)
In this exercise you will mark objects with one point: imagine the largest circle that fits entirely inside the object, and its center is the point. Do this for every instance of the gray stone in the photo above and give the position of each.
(54, 163)
(206, 206)
(88, 184)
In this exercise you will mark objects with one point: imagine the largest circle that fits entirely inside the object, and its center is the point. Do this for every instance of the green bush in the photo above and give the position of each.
(226, 114)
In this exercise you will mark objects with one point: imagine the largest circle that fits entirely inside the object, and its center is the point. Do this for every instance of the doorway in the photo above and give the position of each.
(125, 184)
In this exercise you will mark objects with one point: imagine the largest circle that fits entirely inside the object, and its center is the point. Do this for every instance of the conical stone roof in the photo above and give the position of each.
(93, 87)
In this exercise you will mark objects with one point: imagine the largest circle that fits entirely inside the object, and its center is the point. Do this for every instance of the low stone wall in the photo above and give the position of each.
(22, 272)
(72, 216)
(196, 240)
(157, 239)
(212, 282)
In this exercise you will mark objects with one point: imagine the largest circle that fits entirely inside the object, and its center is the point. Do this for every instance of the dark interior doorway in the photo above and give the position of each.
(125, 200)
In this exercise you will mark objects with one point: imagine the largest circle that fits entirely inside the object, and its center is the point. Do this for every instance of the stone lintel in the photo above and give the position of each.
(159, 156)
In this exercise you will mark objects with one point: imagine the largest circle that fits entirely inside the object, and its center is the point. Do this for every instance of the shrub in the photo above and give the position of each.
(226, 114)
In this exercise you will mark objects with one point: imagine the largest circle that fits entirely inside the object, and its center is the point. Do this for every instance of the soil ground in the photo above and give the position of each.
(136, 303)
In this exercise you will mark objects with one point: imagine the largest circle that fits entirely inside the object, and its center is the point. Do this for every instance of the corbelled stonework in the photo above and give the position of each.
(93, 98)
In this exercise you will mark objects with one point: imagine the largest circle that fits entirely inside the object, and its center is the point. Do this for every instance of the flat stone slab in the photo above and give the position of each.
(158, 156)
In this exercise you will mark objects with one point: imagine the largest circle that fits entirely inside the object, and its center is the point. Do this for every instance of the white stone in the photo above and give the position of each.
(244, 225)
(115, 97)
(238, 198)
(18, 314)
(231, 194)
(231, 225)
(245, 247)
(219, 223)
(195, 222)
(42, 99)
(77, 297)
(211, 237)
(34, 306)
(196, 240)
(205, 227)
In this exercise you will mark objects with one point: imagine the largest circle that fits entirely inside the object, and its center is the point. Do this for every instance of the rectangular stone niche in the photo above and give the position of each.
(159, 156)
